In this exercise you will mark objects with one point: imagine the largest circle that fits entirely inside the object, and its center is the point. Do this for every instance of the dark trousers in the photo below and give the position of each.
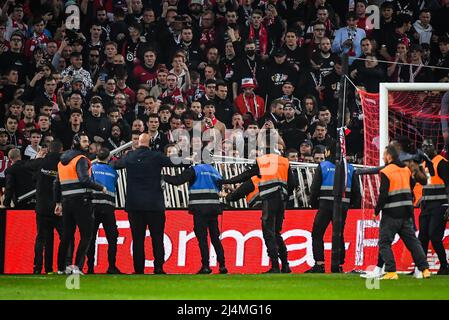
(404, 227)
(431, 229)
(104, 214)
(322, 220)
(272, 219)
(202, 223)
(76, 212)
(43, 247)
(155, 220)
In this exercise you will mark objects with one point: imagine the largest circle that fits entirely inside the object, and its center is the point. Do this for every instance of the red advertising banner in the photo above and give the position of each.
(245, 251)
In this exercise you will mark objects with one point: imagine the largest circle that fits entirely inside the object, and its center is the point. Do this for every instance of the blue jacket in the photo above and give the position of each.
(327, 184)
(104, 174)
(204, 190)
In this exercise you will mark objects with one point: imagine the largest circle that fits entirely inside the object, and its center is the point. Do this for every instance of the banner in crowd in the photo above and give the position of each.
(242, 240)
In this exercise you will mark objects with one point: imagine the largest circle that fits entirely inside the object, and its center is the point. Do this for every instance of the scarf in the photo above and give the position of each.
(176, 95)
(262, 36)
(255, 105)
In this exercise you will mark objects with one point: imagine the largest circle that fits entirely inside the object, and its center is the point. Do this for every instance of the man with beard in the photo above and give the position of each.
(289, 127)
(224, 108)
(74, 186)
(278, 73)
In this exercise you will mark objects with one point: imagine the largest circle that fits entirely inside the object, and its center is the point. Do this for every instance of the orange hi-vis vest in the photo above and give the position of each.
(436, 189)
(253, 198)
(399, 193)
(273, 175)
(70, 184)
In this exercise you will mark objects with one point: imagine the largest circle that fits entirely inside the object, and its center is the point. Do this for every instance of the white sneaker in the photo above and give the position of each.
(417, 274)
(77, 271)
(69, 269)
(376, 273)
(59, 272)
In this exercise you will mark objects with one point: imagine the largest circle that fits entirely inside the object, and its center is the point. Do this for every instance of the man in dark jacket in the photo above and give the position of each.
(46, 221)
(18, 182)
(145, 201)
(204, 186)
(74, 186)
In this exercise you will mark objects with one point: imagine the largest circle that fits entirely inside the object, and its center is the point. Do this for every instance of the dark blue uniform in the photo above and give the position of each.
(204, 185)
(104, 213)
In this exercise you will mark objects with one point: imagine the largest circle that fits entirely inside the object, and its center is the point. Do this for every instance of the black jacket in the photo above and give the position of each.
(143, 179)
(46, 170)
(82, 171)
(18, 181)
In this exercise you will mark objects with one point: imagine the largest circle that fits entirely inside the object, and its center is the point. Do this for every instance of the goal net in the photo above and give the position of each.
(416, 111)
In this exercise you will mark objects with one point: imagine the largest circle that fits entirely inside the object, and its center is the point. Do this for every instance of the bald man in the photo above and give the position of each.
(145, 201)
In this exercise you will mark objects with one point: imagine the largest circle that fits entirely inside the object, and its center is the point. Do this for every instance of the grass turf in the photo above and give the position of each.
(196, 287)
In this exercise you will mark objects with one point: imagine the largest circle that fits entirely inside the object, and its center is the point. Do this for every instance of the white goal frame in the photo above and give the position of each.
(384, 88)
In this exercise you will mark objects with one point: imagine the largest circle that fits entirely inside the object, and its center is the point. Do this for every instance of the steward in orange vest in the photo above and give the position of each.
(276, 179)
(396, 203)
(74, 185)
(248, 190)
(434, 205)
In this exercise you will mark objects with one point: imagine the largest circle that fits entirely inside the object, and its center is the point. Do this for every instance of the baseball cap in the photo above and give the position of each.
(200, 2)
(306, 141)
(279, 52)
(77, 78)
(248, 83)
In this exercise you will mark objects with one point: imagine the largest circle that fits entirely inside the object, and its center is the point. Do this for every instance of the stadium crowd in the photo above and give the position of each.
(227, 66)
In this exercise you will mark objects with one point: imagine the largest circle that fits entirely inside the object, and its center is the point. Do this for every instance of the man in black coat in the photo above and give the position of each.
(18, 182)
(46, 170)
(145, 201)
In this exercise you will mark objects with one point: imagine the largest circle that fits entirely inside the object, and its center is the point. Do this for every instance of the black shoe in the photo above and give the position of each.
(205, 270)
(159, 271)
(90, 270)
(273, 270)
(316, 269)
(36, 272)
(444, 271)
(286, 268)
(113, 270)
(338, 269)
(223, 270)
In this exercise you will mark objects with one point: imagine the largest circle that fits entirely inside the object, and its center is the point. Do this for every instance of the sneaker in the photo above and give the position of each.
(77, 271)
(417, 274)
(69, 269)
(286, 268)
(338, 269)
(426, 274)
(223, 270)
(36, 272)
(159, 271)
(59, 272)
(376, 273)
(273, 270)
(114, 270)
(390, 276)
(318, 268)
(204, 270)
(444, 271)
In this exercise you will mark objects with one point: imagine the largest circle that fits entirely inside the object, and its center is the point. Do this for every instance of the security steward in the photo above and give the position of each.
(321, 196)
(47, 222)
(276, 178)
(396, 202)
(104, 211)
(74, 185)
(204, 203)
(18, 182)
(145, 201)
(434, 206)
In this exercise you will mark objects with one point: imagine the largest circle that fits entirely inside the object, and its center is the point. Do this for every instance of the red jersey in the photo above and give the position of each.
(144, 75)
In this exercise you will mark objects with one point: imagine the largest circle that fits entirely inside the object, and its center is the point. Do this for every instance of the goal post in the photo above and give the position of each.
(384, 90)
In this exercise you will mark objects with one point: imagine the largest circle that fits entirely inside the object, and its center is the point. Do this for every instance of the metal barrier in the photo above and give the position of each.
(177, 197)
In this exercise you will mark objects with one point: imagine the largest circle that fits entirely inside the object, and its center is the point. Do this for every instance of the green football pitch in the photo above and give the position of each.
(232, 286)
